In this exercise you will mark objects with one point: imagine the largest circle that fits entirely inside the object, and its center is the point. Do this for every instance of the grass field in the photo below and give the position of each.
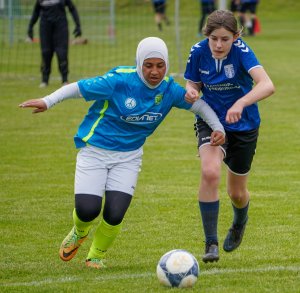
(36, 194)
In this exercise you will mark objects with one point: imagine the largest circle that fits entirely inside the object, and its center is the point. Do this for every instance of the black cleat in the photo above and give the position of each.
(211, 252)
(234, 237)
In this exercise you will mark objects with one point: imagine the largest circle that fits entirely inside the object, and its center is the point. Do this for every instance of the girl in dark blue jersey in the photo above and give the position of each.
(129, 103)
(224, 68)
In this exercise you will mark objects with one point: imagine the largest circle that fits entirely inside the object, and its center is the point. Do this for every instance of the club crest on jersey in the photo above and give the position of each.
(130, 103)
(158, 99)
(229, 71)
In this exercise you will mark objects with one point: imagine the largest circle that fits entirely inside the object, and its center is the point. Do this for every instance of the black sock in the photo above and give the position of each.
(209, 213)
(251, 29)
(240, 215)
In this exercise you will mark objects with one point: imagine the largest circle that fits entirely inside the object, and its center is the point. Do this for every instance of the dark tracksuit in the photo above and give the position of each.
(207, 7)
(54, 33)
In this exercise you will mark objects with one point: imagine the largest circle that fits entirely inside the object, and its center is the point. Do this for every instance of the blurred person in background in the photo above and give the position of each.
(207, 7)
(248, 18)
(129, 103)
(160, 16)
(54, 34)
(235, 7)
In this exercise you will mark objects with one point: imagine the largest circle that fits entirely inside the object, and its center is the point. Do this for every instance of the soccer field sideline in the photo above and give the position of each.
(114, 276)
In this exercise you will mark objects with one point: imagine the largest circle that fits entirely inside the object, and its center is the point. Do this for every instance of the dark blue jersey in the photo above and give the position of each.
(225, 81)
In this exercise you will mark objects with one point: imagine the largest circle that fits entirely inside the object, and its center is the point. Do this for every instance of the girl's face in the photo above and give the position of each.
(154, 70)
(220, 42)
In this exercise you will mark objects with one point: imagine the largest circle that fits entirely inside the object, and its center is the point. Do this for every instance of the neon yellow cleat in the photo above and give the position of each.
(95, 263)
(70, 245)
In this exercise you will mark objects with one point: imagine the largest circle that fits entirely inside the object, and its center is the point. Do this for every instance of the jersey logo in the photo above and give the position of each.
(130, 103)
(158, 99)
(49, 2)
(203, 71)
(148, 117)
(241, 45)
(229, 71)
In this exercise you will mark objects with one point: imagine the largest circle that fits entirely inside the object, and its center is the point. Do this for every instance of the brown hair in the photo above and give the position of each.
(219, 19)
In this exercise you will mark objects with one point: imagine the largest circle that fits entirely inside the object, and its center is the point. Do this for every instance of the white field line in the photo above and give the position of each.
(147, 275)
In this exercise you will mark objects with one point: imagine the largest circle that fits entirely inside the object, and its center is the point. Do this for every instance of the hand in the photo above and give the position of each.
(234, 113)
(30, 33)
(77, 31)
(191, 96)
(38, 104)
(217, 138)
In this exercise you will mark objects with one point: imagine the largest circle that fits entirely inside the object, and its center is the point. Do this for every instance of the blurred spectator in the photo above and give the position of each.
(160, 7)
(235, 7)
(54, 34)
(207, 7)
(248, 16)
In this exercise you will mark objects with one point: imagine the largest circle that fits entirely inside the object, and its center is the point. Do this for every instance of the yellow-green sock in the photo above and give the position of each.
(82, 228)
(104, 236)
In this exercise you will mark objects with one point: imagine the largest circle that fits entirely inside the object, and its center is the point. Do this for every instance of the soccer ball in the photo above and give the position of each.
(178, 268)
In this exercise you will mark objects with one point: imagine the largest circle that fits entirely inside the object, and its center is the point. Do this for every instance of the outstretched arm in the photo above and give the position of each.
(202, 109)
(70, 91)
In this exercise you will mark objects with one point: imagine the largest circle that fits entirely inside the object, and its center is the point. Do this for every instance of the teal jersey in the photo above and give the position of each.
(125, 111)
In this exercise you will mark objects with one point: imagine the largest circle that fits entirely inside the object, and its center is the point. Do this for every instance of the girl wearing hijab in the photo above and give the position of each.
(129, 102)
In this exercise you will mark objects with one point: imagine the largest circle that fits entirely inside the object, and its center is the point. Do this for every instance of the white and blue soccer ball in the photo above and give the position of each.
(178, 268)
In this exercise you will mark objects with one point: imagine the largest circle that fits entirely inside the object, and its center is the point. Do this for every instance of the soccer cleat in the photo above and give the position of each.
(234, 237)
(211, 252)
(70, 245)
(95, 263)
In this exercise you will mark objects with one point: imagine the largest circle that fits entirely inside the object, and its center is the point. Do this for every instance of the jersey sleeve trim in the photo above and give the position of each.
(126, 70)
(256, 66)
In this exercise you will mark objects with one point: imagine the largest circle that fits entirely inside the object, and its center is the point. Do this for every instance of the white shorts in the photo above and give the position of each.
(98, 170)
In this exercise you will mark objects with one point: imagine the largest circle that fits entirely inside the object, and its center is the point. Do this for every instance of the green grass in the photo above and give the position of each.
(36, 195)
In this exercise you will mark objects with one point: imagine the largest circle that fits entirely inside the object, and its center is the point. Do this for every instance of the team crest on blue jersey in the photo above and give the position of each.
(158, 99)
(130, 103)
(229, 71)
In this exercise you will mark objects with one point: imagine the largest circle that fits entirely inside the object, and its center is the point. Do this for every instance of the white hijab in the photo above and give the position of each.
(151, 47)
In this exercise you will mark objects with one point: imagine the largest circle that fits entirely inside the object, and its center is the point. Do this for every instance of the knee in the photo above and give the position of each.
(116, 205)
(238, 195)
(87, 206)
(46, 52)
(62, 52)
(113, 219)
(211, 174)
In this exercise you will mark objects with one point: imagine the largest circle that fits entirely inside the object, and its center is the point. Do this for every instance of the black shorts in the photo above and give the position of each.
(239, 148)
(251, 7)
(208, 8)
(159, 7)
(234, 7)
